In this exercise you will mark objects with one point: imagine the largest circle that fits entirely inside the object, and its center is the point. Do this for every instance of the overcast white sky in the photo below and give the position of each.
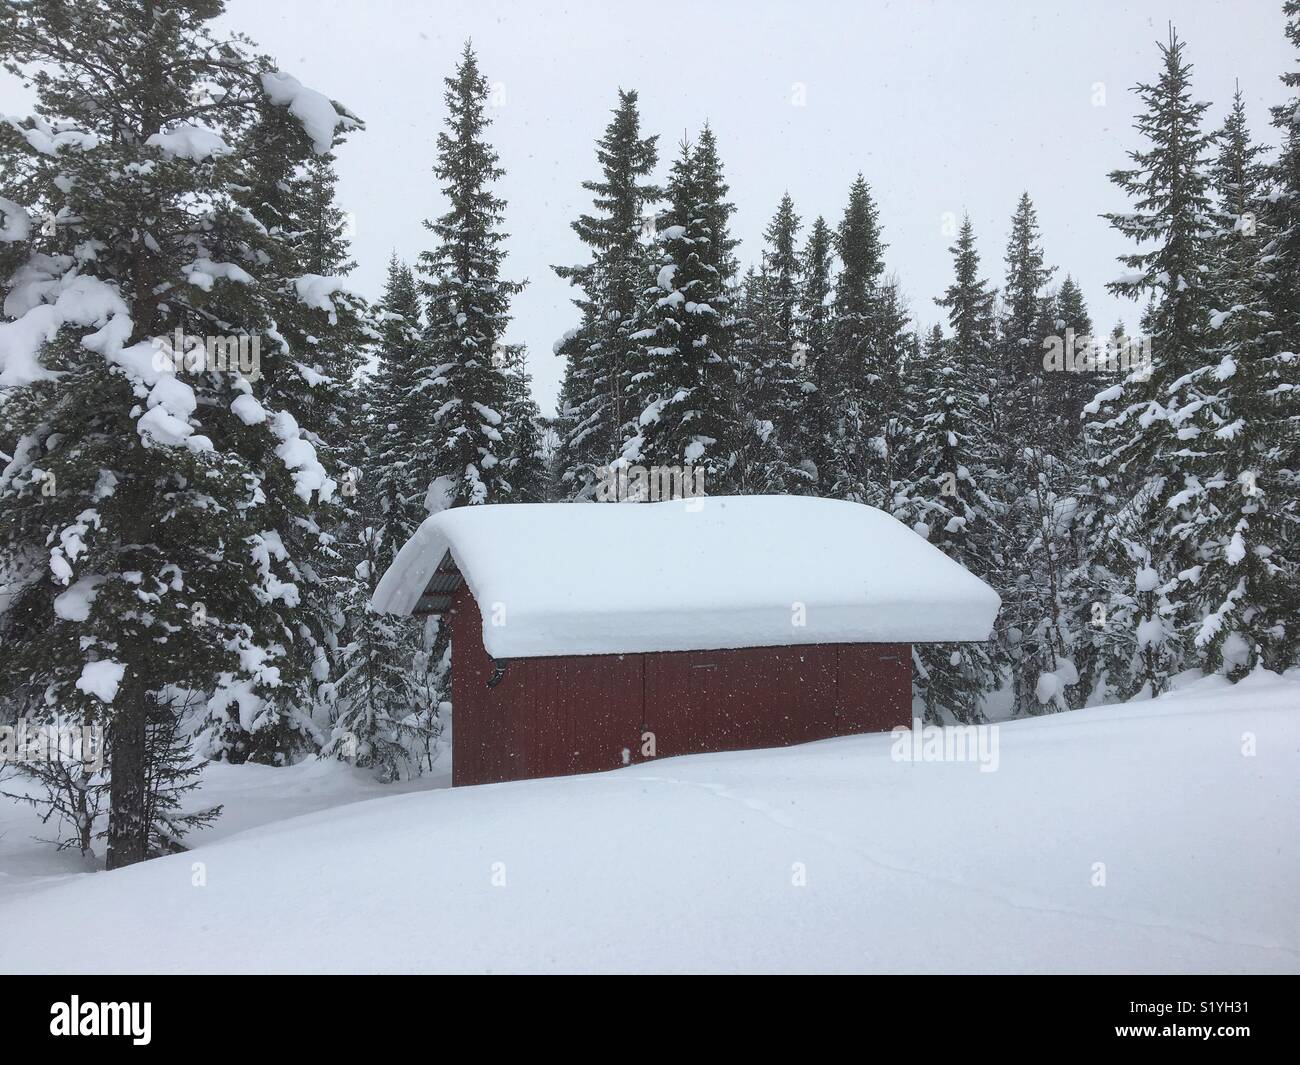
(945, 107)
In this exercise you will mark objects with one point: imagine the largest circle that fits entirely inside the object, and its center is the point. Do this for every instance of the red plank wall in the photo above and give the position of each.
(555, 716)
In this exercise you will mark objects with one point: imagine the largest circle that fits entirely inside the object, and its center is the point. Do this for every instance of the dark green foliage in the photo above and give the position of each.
(687, 380)
(597, 411)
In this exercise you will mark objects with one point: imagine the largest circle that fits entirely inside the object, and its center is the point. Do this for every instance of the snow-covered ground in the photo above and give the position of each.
(827, 857)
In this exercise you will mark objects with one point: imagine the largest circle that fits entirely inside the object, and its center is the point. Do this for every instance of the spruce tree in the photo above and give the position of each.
(781, 261)
(1280, 223)
(771, 364)
(969, 303)
(1016, 405)
(468, 307)
(527, 474)
(1066, 393)
(317, 338)
(597, 407)
(969, 354)
(1033, 439)
(760, 460)
(688, 380)
(397, 414)
(1236, 505)
(142, 519)
(388, 694)
(945, 498)
(1081, 501)
(944, 504)
(894, 345)
(575, 420)
(817, 423)
(1282, 207)
(855, 400)
(909, 408)
(1137, 425)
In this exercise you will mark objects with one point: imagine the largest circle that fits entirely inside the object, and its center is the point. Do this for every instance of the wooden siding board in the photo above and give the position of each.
(556, 716)
(875, 687)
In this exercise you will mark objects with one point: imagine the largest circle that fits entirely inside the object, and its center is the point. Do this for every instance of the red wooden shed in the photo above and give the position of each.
(590, 636)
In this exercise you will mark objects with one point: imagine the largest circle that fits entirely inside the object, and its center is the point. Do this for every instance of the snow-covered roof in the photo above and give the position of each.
(695, 574)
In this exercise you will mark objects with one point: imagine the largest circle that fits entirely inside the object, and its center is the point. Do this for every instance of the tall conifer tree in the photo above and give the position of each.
(1238, 418)
(818, 365)
(1137, 425)
(597, 407)
(946, 499)
(688, 383)
(771, 363)
(855, 400)
(468, 307)
(155, 512)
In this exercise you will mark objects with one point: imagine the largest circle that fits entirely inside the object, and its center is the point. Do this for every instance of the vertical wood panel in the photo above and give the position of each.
(468, 687)
(581, 713)
(668, 712)
(875, 687)
(556, 716)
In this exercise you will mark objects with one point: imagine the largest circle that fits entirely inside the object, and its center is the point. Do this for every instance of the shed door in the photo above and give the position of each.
(582, 713)
(678, 687)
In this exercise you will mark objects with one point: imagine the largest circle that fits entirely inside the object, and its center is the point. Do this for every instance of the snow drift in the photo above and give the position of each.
(1135, 838)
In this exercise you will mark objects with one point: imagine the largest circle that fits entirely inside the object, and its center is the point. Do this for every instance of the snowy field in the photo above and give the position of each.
(692, 864)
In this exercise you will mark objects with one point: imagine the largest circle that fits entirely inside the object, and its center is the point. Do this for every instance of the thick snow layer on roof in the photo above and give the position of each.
(697, 574)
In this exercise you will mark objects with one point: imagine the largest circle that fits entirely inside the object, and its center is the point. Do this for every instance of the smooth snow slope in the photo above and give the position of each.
(688, 864)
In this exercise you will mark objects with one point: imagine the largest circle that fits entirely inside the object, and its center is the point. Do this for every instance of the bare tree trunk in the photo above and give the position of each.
(128, 828)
